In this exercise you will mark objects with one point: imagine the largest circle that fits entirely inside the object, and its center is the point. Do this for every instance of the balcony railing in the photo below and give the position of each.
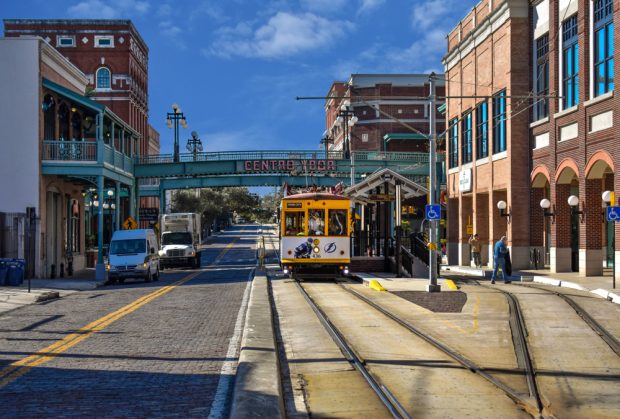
(78, 151)
(85, 151)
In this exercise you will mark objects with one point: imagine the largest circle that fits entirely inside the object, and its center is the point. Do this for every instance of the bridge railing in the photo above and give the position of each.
(411, 158)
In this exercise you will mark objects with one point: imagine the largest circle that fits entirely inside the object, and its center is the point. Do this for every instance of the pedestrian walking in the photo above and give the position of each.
(500, 250)
(476, 247)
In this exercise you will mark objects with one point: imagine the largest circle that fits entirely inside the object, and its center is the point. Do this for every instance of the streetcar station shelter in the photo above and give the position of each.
(375, 201)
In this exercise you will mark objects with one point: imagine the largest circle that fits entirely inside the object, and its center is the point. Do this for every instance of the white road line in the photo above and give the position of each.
(229, 367)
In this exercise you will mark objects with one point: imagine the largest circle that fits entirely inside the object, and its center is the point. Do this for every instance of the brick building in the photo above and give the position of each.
(488, 153)
(114, 58)
(574, 144)
(374, 101)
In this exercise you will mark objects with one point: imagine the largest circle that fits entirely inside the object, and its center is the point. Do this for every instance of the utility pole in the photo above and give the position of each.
(432, 245)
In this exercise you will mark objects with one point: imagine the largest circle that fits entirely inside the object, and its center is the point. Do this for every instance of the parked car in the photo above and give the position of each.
(133, 254)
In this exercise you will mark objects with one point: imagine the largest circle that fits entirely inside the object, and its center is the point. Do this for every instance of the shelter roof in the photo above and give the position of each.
(360, 191)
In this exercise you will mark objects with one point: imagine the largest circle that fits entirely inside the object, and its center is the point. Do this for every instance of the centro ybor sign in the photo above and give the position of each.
(289, 165)
(465, 180)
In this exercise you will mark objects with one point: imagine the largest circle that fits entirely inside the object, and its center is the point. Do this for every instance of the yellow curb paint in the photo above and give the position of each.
(450, 283)
(21, 367)
(375, 285)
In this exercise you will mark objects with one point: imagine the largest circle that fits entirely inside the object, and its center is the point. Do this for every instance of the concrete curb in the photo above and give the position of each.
(257, 392)
(464, 270)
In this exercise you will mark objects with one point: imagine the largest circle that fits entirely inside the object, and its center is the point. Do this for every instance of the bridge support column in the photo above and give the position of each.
(162, 200)
(132, 200)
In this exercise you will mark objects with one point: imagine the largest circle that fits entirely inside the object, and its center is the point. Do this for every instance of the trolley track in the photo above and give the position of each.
(607, 337)
(386, 397)
(535, 409)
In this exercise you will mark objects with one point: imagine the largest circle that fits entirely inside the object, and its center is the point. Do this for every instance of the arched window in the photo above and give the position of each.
(49, 118)
(103, 78)
(63, 119)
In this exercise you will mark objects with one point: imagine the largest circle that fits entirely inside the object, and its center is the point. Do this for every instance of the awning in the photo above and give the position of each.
(361, 192)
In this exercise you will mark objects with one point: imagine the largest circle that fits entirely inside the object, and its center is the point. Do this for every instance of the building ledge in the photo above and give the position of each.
(539, 122)
(500, 156)
(482, 161)
(566, 112)
(598, 99)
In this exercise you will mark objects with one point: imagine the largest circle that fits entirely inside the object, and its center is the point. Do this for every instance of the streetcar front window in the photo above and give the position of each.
(294, 223)
(316, 222)
(337, 223)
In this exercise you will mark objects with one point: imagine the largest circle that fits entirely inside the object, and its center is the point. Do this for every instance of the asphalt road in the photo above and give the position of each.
(162, 349)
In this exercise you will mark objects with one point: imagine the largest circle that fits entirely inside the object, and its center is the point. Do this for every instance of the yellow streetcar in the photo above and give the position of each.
(315, 231)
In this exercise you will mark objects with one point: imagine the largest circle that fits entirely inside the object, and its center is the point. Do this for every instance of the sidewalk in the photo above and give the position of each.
(599, 285)
(12, 298)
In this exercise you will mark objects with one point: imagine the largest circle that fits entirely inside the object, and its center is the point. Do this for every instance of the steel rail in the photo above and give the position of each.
(465, 362)
(386, 397)
(607, 337)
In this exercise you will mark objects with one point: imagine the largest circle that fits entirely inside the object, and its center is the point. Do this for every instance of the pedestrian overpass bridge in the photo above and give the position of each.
(158, 173)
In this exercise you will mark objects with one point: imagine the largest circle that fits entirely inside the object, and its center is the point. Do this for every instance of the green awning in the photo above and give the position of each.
(75, 97)
(442, 109)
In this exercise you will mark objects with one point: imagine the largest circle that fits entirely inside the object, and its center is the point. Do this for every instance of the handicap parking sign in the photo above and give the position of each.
(613, 214)
(433, 212)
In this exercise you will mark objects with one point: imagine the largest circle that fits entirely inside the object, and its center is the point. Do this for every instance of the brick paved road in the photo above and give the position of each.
(161, 360)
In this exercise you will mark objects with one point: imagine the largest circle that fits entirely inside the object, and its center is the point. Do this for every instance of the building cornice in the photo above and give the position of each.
(56, 61)
(507, 10)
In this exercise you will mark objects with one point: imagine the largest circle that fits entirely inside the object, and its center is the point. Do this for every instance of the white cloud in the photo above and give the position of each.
(429, 13)
(98, 9)
(368, 5)
(324, 6)
(164, 10)
(285, 34)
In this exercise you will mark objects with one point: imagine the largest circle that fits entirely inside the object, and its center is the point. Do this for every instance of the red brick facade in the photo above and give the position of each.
(374, 99)
(92, 45)
(581, 161)
(487, 55)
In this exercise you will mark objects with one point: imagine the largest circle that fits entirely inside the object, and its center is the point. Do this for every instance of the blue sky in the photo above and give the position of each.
(236, 66)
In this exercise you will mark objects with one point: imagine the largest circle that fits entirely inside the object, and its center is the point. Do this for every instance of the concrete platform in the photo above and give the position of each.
(598, 285)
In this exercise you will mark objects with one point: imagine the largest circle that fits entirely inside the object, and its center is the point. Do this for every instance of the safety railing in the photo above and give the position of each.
(284, 155)
(407, 259)
(69, 151)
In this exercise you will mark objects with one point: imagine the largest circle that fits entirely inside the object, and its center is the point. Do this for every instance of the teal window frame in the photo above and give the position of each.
(482, 130)
(499, 122)
(603, 47)
(466, 138)
(453, 130)
(570, 63)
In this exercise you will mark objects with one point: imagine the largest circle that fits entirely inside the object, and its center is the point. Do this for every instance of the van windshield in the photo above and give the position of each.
(176, 238)
(128, 246)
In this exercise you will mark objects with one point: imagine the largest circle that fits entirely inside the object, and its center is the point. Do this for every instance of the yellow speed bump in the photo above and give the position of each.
(375, 285)
(451, 284)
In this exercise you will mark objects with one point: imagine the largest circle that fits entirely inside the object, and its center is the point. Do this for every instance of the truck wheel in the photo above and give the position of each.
(156, 277)
(197, 261)
(148, 277)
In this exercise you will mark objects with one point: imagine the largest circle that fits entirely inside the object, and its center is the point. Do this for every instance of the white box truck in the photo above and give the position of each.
(180, 238)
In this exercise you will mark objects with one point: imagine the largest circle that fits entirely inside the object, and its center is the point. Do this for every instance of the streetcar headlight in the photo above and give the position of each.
(346, 270)
(316, 250)
(285, 270)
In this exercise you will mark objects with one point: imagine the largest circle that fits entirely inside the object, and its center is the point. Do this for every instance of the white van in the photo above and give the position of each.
(133, 254)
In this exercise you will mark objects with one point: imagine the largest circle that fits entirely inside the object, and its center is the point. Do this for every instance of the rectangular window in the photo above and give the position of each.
(541, 109)
(316, 222)
(466, 143)
(603, 47)
(570, 63)
(482, 130)
(337, 222)
(294, 223)
(499, 122)
(453, 129)
(65, 41)
(104, 41)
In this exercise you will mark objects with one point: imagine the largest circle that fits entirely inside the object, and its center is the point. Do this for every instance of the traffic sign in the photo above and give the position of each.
(148, 214)
(130, 224)
(613, 214)
(433, 212)
(470, 229)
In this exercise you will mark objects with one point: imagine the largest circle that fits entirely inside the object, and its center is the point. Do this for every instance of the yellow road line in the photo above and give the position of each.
(21, 367)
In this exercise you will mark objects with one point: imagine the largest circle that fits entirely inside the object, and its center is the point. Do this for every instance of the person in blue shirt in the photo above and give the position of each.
(499, 259)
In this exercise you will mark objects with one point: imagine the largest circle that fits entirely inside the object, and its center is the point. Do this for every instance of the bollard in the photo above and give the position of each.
(53, 271)
(62, 270)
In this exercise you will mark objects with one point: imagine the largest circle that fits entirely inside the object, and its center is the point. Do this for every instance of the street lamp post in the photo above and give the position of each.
(609, 198)
(173, 118)
(326, 141)
(347, 116)
(194, 144)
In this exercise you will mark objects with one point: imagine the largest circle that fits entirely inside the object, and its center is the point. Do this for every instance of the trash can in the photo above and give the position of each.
(15, 274)
(3, 271)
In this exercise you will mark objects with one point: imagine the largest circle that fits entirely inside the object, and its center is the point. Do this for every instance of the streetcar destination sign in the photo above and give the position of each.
(267, 166)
